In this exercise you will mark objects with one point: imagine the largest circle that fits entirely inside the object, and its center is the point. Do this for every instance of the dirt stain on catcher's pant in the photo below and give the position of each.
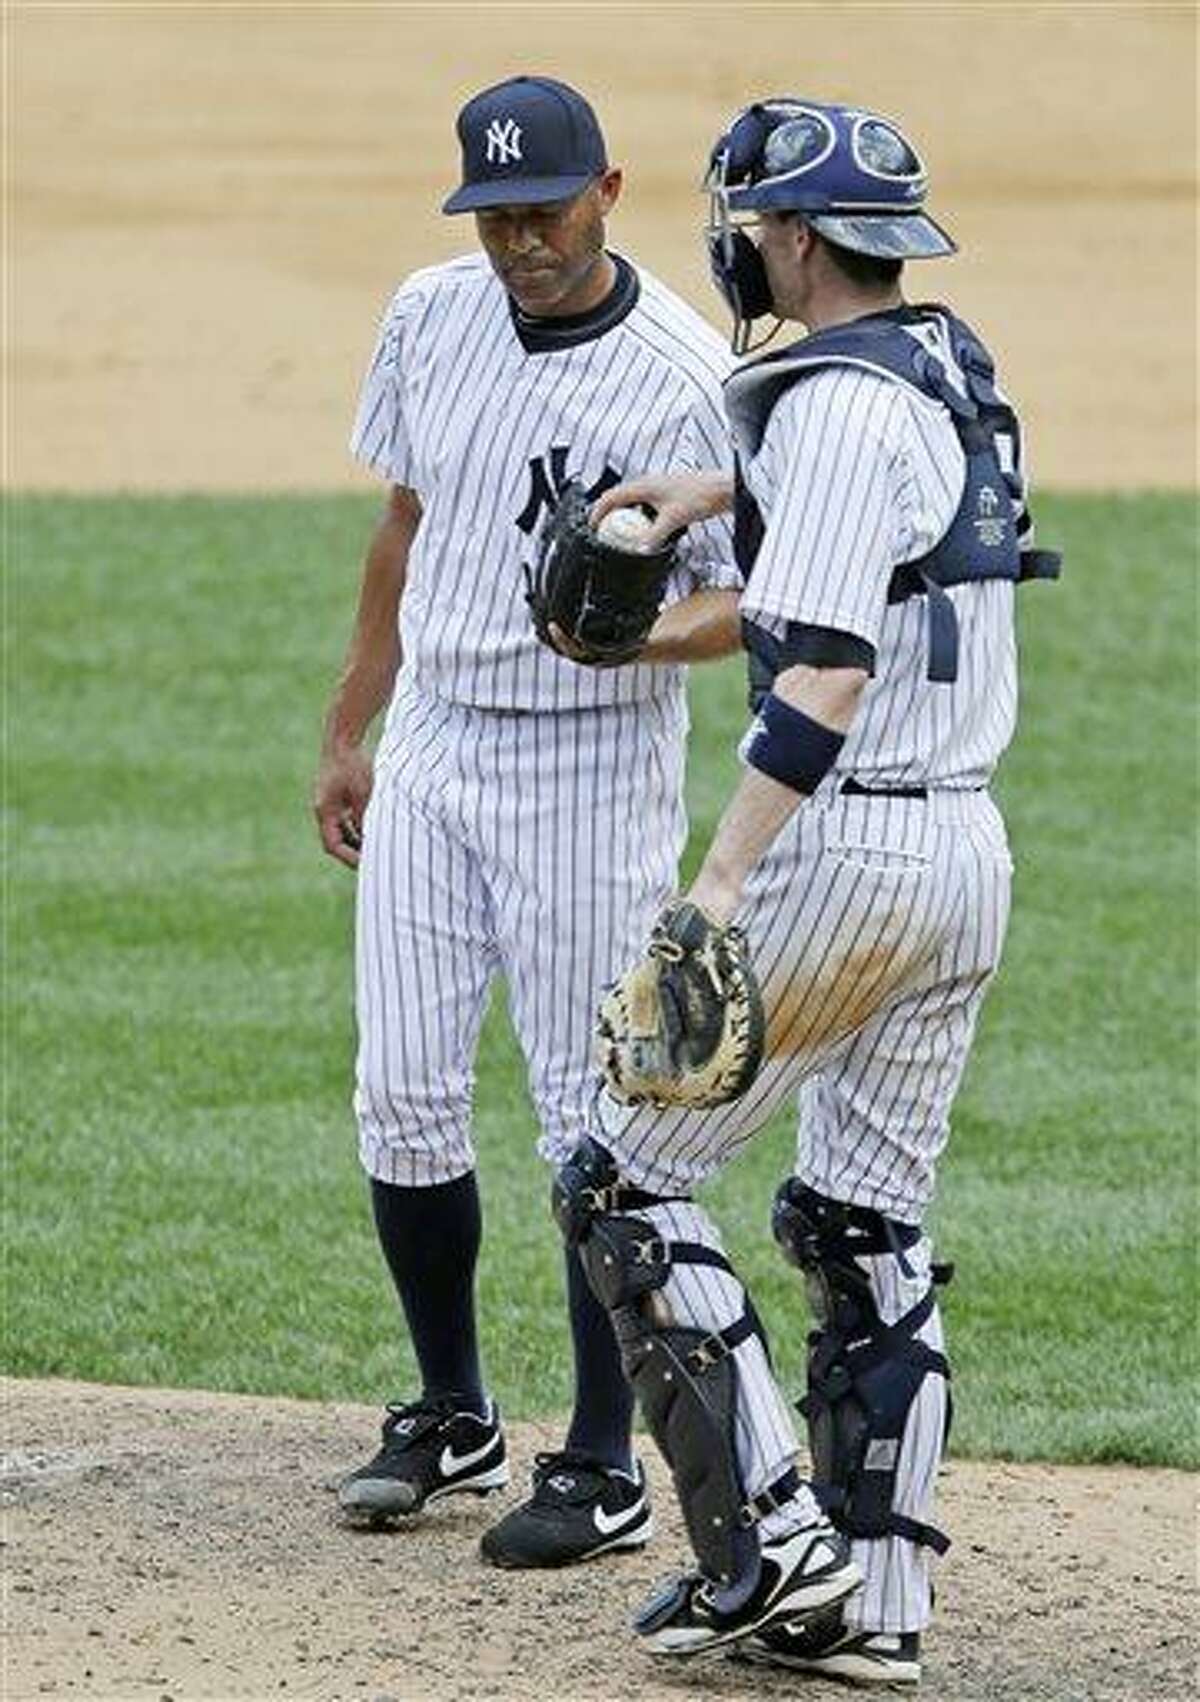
(810, 1011)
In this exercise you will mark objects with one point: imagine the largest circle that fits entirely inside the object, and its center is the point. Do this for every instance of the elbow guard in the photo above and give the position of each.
(791, 747)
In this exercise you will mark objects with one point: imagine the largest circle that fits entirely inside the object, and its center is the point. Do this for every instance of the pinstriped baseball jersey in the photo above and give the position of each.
(485, 422)
(857, 473)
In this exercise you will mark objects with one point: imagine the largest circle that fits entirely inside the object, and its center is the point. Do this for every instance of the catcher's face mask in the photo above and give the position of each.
(852, 175)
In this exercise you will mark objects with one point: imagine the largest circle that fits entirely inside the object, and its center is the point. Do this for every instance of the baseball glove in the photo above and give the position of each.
(603, 599)
(685, 1025)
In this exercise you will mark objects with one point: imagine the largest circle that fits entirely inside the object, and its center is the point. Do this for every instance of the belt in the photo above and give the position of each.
(855, 789)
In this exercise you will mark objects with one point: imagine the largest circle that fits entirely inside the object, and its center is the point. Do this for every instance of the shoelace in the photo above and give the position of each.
(422, 1416)
(586, 1474)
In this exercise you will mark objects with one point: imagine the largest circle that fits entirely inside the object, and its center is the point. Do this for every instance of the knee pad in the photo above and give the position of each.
(584, 1187)
(863, 1375)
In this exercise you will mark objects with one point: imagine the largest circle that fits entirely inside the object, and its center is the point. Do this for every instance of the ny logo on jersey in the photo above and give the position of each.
(503, 141)
(546, 485)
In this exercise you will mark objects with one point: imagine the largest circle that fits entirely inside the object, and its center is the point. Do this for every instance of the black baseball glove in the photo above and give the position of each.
(604, 600)
(685, 1026)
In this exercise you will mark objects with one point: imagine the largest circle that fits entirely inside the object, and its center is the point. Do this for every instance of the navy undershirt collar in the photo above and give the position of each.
(541, 336)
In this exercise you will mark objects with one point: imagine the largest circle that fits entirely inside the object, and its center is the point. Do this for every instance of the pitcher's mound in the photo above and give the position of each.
(183, 1545)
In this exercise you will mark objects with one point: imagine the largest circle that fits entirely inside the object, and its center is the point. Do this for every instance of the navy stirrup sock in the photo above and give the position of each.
(603, 1416)
(430, 1239)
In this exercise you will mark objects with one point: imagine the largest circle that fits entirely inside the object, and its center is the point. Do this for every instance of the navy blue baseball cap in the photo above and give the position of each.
(526, 140)
(851, 174)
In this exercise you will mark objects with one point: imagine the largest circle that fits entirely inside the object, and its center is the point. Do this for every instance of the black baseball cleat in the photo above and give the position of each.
(578, 1509)
(826, 1647)
(801, 1573)
(430, 1450)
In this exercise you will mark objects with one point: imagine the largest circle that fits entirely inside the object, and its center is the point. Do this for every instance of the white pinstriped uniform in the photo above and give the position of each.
(500, 836)
(875, 923)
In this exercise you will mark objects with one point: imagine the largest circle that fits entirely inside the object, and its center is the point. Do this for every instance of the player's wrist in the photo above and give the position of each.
(717, 493)
(717, 891)
(698, 628)
(343, 753)
(346, 727)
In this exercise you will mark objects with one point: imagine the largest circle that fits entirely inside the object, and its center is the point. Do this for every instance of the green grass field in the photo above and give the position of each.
(183, 1201)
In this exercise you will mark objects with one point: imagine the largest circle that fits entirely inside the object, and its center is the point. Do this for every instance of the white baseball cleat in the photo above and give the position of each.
(828, 1648)
(801, 1573)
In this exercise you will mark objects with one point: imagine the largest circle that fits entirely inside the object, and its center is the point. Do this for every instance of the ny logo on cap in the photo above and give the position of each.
(503, 141)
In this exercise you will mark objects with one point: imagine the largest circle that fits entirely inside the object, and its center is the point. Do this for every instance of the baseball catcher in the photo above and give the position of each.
(685, 1025)
(592, 600)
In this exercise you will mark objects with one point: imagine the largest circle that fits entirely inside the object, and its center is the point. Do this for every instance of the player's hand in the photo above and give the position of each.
(679, 500)
(566, 646)
(343, 786)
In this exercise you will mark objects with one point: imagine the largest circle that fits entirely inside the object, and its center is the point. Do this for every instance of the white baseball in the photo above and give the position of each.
(625, 529)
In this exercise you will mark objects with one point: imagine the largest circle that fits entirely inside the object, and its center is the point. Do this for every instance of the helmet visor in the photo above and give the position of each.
(889, 236)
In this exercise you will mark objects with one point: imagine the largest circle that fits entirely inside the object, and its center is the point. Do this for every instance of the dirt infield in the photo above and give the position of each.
(210, 204)
(180, 1546)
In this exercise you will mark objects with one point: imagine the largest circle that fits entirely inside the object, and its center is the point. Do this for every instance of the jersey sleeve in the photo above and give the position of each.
(832, 538)
(380, 436)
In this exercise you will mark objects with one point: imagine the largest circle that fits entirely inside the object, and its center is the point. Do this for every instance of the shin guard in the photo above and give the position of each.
(863, 1375)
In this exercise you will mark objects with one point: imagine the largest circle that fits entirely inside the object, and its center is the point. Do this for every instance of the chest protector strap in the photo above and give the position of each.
(984, 539)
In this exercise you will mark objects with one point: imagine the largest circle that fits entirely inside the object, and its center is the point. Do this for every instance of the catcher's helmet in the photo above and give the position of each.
(852, 175)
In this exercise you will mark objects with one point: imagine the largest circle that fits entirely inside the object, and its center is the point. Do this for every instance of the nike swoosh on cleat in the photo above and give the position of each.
(451, 1463)
(608, 1523)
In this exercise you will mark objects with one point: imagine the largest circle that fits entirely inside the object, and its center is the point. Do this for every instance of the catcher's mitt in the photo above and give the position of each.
(685, 1025)
(603, 599)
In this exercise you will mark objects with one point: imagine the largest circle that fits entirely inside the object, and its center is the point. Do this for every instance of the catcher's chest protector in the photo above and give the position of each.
(983, 540)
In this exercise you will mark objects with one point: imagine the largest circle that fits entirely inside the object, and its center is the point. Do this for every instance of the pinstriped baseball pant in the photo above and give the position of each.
(501, 843)
(875, 925)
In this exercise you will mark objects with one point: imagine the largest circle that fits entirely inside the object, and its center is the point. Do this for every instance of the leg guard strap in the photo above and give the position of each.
(773, 1497)
(925, 1536)
(835, 1366)
(588, 1186)
(711, 1348)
